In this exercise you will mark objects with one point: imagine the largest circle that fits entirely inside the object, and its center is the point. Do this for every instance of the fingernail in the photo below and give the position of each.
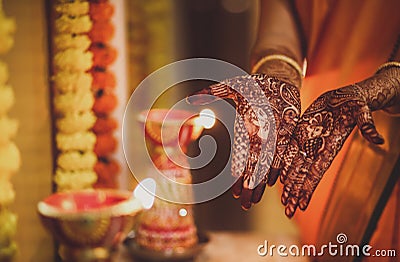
(289, 211)
(273, 176)
(245, 198)
(237, 188)
(258, 193)
(246, 207)
(379, 140)
(303, 204)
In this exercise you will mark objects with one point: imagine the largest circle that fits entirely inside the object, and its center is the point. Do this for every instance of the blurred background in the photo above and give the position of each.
(156, 34)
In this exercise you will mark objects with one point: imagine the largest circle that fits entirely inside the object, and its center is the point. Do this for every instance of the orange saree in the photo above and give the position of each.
(346, 41)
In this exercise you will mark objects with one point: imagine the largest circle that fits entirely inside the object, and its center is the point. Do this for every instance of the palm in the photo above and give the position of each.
(318, 137)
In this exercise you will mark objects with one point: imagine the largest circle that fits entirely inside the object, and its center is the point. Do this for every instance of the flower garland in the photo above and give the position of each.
(9, 154)
(103, 88)
(73, 99)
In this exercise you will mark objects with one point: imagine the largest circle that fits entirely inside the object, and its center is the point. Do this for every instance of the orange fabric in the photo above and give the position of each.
(346, 42)
(343, 34)
(388, 229)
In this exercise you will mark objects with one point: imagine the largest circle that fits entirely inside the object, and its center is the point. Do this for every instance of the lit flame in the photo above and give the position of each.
(206, 118)
(183, 212)
(145, 192)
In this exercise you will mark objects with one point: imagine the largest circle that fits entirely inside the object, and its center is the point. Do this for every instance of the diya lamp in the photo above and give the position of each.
(89, 224)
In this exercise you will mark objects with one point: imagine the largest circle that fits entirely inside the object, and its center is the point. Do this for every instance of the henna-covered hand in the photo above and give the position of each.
(325, 126)
(253, 132)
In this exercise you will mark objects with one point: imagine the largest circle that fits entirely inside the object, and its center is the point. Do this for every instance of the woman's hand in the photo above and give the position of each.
(325, 126)
(251, 161)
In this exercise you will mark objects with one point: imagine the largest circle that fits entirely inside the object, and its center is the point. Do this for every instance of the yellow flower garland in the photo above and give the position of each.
(73, 99)
(10, 160)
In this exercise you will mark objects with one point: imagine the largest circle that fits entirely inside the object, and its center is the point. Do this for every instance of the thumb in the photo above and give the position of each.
(210, 94)
(367, 127)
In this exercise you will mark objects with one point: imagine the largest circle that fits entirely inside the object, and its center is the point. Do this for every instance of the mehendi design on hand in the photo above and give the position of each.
(323, 129)
(385, 91)
(251, 161)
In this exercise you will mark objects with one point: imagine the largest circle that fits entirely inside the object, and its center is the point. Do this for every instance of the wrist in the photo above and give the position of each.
(393, 72)
(279, 62)
(382, 90)
(281, 70)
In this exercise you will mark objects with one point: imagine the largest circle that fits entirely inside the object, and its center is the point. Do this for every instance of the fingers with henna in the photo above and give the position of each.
(237, 187)
(294, 185)
(250, 179)
(367, 127)
(210, 94)
(258, 192)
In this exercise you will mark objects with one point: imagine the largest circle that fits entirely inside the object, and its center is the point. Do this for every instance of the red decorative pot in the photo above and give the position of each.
(88, 224)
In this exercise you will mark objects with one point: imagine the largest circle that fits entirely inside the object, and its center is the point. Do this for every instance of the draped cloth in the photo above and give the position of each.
(345, 42)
